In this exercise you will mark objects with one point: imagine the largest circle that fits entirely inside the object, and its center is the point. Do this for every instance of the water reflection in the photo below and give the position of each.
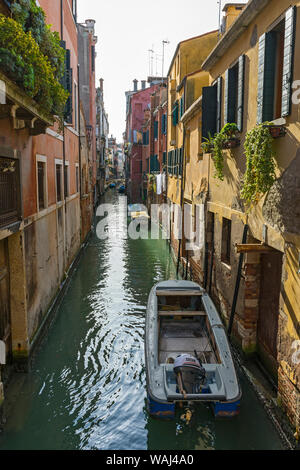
(87, 388)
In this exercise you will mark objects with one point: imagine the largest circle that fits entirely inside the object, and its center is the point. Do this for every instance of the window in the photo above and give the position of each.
(58, 171)
(181, 107)
(155, 129)
(9, 191)
(41, 183)
(164, 124)
(275, 69)
(226, 241)
(175, 113)
(234, 94)
(66, 179)
(93, 58)
(75, 106)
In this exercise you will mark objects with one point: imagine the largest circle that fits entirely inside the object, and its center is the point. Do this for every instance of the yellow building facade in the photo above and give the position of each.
(253, 80)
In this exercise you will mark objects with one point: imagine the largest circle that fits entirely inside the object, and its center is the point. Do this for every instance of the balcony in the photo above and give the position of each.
(23, 110)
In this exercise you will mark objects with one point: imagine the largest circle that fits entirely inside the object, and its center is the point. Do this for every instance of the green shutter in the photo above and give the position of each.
(180, 160)
(175, 114)
(181, 106)
(230, 96)
(288, 60)
(266, 77)
(209, 111)
(241, 89)
(219, 104)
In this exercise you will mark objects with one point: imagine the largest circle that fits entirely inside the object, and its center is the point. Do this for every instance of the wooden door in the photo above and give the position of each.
(270, 285)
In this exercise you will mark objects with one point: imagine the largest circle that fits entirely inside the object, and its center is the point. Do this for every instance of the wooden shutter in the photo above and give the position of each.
(209, 111)
(219, 104)
(241, 89)
(288, 60)
(266, 77)
(175, 113)
(230, 96)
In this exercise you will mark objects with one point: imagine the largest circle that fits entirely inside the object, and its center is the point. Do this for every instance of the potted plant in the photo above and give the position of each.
(230, 132)
(208, 144)
(275, 130)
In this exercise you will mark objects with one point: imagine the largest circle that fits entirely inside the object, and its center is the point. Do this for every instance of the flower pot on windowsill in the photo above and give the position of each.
(232, 143)
(277, 131)
(208, 149)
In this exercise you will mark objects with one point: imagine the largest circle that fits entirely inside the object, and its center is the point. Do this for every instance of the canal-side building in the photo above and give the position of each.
(187, 60)
(87, 41)
(102, 131)
(41, 174)
(137, 102)
(254, 76)
(154, 151)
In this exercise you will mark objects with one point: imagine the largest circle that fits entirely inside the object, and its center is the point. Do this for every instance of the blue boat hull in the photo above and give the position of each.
(226, 410)
(167, 410)
(161, 410)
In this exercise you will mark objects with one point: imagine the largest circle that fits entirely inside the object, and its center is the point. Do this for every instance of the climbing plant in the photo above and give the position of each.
(217, 144)
(30, 66)
(260, 163)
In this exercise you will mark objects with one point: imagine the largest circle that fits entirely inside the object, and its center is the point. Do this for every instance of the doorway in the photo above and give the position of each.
(267, 328)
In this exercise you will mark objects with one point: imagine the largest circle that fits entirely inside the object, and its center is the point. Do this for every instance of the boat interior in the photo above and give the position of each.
(184, 328)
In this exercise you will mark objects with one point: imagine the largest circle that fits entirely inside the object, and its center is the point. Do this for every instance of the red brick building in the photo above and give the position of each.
(43, 182)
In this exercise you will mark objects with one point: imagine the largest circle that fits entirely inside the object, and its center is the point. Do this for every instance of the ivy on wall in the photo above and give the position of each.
(261, 165)
(31, 56)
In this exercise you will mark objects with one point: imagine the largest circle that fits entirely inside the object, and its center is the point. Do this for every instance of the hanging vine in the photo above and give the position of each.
(217, 144)
(261, 165)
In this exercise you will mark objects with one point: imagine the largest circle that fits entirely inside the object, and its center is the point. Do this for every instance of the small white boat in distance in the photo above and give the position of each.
(188, 357)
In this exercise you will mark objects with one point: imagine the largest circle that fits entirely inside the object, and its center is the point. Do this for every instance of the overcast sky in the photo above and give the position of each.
(127, 29)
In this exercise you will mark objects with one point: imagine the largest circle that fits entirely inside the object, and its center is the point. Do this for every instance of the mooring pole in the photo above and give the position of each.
(238, 282)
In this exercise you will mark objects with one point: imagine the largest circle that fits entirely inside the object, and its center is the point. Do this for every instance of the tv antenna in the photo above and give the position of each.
(151, 59)
(164, 43)
(220, 13)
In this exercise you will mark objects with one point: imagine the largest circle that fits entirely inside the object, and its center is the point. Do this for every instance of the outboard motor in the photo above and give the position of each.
(190, 374)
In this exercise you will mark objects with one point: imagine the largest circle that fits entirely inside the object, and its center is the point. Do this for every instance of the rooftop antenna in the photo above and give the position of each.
(164, 43)
(151, 59)
(220, 13)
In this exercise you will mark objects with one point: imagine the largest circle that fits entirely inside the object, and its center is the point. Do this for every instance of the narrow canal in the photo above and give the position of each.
(87, 386)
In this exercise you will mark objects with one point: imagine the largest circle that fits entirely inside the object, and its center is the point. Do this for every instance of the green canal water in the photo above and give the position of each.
(87, 386)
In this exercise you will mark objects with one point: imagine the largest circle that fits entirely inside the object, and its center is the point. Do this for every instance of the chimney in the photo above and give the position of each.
(143, 84)
(232, 11)
(90, 24)
(135, 85)
(101, 84)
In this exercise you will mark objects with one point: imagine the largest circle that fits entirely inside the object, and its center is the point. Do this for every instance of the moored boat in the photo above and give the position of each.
(188, 357)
